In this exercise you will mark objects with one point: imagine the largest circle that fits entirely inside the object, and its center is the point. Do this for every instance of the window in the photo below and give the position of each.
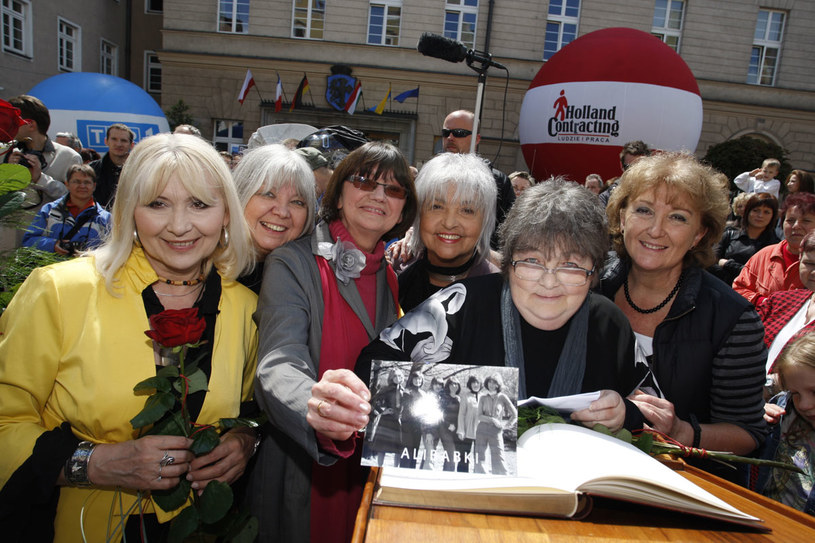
(108, 58)
(383, 22)
(233, 16)
(69, 52)
(309, 19)
(154, 6)
(17, 27)
(667, 23)
(460, 18)
(152, 72)
(228, 136)
(561, 25)
(766, 47)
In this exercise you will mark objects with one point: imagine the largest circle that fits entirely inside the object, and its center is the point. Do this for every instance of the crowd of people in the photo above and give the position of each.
(307, 268)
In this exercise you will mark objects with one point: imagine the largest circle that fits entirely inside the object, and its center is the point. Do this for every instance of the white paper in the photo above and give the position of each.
(569, 404)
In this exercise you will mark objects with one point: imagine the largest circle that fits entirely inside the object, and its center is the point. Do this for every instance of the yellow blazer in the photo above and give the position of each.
(72, 352)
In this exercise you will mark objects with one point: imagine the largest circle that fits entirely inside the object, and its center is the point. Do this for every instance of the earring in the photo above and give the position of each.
(225, 242)
(136, 240)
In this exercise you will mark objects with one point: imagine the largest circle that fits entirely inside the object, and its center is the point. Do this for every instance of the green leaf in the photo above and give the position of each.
(248, 532)
(214, 502)
(228, 424)
(624, 435)
(161, 384)
(173, 498)
(13, 177)
(168, 371)
(183, 525)
(11, 202)
(197, 382)
(170, 426)
(645, 442)
(154, 408)
(602, 429)
(204, 441)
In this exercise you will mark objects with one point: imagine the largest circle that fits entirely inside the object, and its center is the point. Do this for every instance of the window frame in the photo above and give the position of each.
(383, 37)
(75, 41)
(229, 140)
(149, 67)
(148, 9)
(561, 20)
(763, 45)
(112, 56)
(664, 32)
(463, 11)
(24, 17)
(309, 31)
(235, 21)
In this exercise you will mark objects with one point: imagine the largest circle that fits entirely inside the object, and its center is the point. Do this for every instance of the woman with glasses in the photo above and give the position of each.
(74, 222)
(698, 342)
(324, 297)
(538, 315)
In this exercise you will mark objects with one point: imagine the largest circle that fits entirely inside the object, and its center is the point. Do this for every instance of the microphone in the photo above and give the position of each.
(433, 45)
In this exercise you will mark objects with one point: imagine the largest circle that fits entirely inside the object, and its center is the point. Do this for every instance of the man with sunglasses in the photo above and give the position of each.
(457, 132)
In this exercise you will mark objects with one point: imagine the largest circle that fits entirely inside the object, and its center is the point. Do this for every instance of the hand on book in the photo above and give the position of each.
(339, 405)
(608, 410)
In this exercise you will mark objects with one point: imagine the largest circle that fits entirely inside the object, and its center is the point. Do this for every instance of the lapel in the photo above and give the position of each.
(350, 294)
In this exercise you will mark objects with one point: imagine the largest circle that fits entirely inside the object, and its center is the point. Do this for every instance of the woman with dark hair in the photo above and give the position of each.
(467, 421)
(451, 406)
(495, 411)
(324, 297)
(434, 418)
(412, 426)
(698, 343)
(386, 412)
(757, 231)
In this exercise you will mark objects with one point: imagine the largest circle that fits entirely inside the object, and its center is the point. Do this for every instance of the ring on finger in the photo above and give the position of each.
(160, 467)
(319, 408)
(166, 460)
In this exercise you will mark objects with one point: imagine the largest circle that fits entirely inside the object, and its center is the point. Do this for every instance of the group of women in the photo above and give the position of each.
(665, 343)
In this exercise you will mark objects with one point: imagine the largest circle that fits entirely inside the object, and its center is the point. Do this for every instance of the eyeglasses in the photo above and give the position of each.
(369, 185)
(457, 132)
(528, 270)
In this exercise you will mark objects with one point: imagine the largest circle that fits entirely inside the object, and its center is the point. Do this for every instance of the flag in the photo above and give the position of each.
(351, 104)
(278, 98)
(412, 93)
(297, 101)
(381, 107)
(248, 83)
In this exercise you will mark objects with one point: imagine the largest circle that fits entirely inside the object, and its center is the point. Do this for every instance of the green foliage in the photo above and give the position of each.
(17, 265)
(743, 154)
(179, 114)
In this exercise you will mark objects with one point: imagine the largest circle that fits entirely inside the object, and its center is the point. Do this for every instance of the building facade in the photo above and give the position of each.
(750, 58)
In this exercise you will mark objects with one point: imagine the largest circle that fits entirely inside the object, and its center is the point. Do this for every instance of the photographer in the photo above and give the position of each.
(73, 223)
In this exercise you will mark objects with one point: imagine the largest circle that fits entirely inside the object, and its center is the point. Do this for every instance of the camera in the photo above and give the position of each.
(71, 247)
(23, 148)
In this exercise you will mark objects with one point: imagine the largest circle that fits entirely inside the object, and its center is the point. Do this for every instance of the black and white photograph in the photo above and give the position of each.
(442, 417)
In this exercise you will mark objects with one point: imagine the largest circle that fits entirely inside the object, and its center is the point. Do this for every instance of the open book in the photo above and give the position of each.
(560, 466)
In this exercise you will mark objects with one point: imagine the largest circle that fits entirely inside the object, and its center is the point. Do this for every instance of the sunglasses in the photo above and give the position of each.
(457, 132)
(369, 185)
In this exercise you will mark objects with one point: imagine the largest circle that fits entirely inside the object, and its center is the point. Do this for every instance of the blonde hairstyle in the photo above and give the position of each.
(202, 172)
(679, 174)
(798, 352)
(740, 199)
(270, 167)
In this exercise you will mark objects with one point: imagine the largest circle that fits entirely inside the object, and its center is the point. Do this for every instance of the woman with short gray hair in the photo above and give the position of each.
(538, 315)
(456, 200)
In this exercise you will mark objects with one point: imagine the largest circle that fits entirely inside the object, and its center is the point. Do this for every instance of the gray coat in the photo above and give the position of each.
(290, 317)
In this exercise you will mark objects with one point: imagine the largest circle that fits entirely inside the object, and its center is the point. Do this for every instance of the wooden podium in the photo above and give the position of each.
(608, 520)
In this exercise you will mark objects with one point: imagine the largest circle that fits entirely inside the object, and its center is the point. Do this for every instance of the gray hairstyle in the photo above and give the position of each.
(556, 215)
(270, 167)
(474, 184)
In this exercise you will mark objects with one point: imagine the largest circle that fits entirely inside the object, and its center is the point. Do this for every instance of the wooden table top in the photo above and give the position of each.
(609, 520)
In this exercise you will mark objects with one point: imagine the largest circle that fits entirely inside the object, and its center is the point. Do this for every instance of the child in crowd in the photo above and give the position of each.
(761, 179)
(793, 437)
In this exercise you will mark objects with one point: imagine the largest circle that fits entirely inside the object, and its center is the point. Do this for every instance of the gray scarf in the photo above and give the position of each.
(571, 365)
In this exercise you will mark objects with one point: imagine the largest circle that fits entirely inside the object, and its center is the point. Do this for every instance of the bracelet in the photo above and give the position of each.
(697, 431)
(76, 467)
(258, 439)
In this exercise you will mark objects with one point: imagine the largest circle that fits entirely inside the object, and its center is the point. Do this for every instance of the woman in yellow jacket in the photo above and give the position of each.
(72, 347)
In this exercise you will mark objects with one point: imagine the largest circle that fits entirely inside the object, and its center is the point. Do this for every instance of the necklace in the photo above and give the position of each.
(450, 275)
(186, 283)
(662, 304)
(197, 286)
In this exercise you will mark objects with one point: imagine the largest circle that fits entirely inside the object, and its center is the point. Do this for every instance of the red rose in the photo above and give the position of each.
(174, 327)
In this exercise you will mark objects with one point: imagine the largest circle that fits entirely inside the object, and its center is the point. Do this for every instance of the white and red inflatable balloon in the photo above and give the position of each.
(602, 90)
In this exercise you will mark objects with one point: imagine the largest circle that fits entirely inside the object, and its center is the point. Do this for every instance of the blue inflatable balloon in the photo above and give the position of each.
(87, 103)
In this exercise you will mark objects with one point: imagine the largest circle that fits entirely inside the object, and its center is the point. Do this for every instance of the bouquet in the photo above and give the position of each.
(165, 412)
